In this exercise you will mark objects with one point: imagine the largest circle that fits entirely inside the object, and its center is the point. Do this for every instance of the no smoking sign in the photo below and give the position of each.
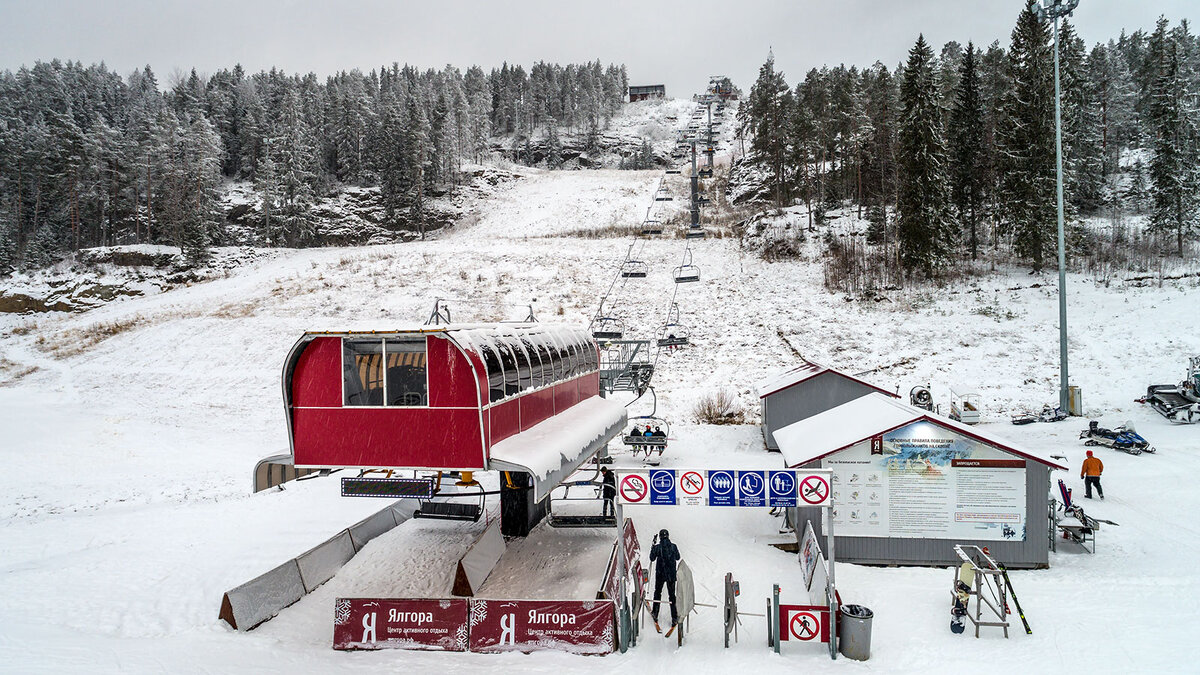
(634, 488)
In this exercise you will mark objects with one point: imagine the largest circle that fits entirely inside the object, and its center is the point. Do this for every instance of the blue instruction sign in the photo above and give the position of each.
(781, 488)
(721, 488)
(662, 487)
(751, 488)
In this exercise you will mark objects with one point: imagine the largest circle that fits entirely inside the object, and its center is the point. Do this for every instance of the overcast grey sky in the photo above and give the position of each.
(676, 43)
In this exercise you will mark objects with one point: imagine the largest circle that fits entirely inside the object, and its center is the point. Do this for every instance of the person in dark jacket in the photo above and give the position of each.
(665, 555)
(608, 489)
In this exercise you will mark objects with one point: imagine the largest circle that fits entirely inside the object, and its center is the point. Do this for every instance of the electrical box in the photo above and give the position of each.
(1074, 401)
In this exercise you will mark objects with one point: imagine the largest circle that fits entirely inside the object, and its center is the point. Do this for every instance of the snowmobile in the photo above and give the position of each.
(1177, 402)
(1122, 438)
(1048, 414)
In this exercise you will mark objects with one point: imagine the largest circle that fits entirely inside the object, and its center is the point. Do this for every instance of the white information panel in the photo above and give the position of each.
(926, 481)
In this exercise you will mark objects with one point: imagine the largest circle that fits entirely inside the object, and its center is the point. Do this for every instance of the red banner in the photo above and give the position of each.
(611, 586)
(633, 551)
(579, 627)
(374, 623)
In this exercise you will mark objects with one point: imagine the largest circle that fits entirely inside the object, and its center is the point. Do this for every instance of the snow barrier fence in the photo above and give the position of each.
(261, 598)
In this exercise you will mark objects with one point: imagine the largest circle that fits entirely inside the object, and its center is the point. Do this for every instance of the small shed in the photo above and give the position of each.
(648, 91)
(909, 484)
(806, 390)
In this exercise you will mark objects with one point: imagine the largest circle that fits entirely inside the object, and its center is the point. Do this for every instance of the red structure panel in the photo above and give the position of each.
(506, 420)
(566, 395)
(459, 425)
(317, 379)
(380, 437)
(537, 406)
(451, 380)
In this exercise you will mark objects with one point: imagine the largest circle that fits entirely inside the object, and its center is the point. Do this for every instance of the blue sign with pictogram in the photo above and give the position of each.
(662, 487)
(721, 488)
(781, 488)
(751, 488)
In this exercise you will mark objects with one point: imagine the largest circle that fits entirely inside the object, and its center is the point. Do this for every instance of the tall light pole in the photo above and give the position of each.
(1054, 9)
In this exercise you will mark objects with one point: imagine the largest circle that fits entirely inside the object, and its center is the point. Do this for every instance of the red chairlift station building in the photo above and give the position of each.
(450, 398)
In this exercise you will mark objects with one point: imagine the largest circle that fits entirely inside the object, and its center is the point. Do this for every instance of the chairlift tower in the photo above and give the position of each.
(709, 149)
(1055, 9)
(695, 189)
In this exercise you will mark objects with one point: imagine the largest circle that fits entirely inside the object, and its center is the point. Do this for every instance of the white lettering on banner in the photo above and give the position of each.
(508, 629)
(369, 627)
(556, 619)
(395, 616)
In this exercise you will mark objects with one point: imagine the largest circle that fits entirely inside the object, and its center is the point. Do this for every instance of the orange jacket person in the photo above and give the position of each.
(1090, 473)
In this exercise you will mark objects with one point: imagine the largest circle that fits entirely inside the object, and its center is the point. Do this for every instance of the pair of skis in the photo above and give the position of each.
(657, 627)
(1021, 612)
(962, 594)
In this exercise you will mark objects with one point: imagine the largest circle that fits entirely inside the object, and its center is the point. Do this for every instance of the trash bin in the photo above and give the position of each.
(854, 632)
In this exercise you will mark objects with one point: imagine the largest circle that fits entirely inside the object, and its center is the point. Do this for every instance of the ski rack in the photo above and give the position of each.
(983, 565)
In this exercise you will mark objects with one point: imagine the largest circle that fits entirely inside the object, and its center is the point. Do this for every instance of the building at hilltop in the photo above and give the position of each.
(646, 92)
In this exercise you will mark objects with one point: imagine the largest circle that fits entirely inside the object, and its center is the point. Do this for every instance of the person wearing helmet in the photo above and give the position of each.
(665, 555)
(1090, 473)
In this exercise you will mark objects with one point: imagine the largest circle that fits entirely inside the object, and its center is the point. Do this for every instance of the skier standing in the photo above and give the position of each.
(1090, 473)
(664, 554)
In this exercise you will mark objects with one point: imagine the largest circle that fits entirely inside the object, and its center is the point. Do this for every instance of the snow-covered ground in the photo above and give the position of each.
(125, 509)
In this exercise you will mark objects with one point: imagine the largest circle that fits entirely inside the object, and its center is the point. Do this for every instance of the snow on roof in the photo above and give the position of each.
(836, 429)
(552, 449)
(805, 371)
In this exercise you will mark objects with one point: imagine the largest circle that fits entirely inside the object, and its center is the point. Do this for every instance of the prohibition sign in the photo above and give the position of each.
(634, 488)
(804, 626)
(692, 483)
(814, 490)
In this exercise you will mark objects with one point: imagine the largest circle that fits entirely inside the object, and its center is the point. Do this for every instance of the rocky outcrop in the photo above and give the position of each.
(355, 216)
(63, 297)
(611, 148)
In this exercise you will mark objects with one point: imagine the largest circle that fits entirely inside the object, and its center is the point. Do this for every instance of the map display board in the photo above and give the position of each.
(924, 480)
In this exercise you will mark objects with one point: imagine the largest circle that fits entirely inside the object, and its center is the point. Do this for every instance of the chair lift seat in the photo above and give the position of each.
(654, 441)
(695, 233)
(449, 511)
(607, 334)
(555, 520)
(687, 277)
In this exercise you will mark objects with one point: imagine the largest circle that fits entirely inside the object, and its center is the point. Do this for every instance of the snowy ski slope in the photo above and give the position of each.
(125, 504)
